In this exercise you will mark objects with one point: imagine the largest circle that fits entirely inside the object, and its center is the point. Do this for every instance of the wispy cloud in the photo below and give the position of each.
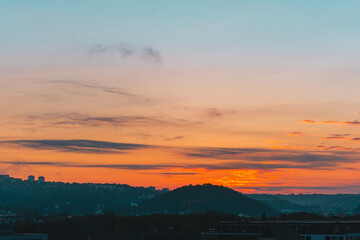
(152, 54)
(64, 89)
(174, 138)
(295, 134)
(216, 112)
(213, 112)
(238, 158)
(77, 165)
(79, 146)
(12, 166)
(337, 148)
(223, 153)
(124, 50)
(287, 147)
(342, 137)
(233, 165)
(102, 88)
(337, 137)
(355, 122)
(223, 158)
(72, 120)
(178, 173)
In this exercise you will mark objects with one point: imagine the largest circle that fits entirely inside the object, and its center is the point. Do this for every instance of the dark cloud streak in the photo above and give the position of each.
(79, 120)
(106, 89)
(355, 122)
(77, 145)
(124, 51)
(222, 158)
(213, 113)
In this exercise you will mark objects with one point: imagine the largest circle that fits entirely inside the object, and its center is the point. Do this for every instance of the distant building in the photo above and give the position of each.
(15, 180)
(23, 236)
(41, 179)
(8, 218)
(287, 230)
(4, 178)
(31, 178)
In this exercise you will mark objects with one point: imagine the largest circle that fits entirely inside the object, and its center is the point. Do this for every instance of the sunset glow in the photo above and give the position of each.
(192, 92)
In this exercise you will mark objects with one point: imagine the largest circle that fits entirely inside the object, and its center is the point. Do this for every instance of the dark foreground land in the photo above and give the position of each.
(147, 227)
(76, 211)
(24, 199)
(110, 226)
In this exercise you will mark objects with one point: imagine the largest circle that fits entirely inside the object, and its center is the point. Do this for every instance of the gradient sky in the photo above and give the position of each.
(260, 96)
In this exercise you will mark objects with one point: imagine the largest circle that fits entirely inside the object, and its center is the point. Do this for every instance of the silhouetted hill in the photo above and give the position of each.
(31, 198)
(317, 203)
(202, 198)
(282, 205)
(357, 210)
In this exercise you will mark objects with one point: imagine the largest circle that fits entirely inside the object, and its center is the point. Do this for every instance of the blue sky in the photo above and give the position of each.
(194, 26)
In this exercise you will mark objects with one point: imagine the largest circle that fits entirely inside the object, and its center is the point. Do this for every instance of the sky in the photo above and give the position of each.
(259, 96)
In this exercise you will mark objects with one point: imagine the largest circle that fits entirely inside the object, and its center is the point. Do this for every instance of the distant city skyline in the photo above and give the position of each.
(259, 96)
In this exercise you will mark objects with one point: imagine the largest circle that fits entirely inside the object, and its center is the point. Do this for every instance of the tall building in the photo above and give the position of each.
(41, 179)
(31, 178)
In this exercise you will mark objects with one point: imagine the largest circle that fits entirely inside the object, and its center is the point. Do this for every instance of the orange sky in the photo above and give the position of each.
(258, 96)
(169, 152)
